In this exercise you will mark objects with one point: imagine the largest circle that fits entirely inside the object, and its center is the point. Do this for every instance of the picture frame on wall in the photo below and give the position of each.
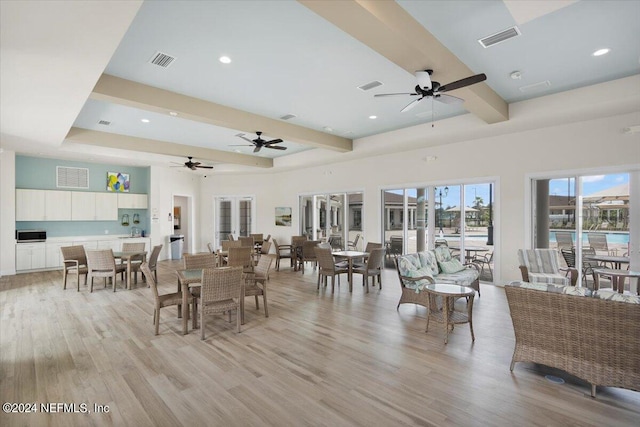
(118, 182)
(283, 216)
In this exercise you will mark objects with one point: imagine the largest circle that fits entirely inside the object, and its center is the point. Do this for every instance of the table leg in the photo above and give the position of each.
(185, 309)
(350, 274)
(129, 273)
(469, 313)
(242, 303)
(445, 308)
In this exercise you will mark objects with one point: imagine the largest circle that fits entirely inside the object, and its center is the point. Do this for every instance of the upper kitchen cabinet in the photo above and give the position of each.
(132, 201)
(86, 206)
(43, 205)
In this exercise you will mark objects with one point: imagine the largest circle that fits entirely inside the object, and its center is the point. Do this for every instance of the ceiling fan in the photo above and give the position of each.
(426, 88)
(193, 165)
(258, 143)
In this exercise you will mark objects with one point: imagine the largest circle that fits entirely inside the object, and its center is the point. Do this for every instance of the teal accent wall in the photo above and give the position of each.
(40, 173)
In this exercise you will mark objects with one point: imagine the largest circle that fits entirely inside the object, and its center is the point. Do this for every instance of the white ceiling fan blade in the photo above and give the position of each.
(423, 78)
(448, 99)
(394, 94)
(411, 105)
(241, 135)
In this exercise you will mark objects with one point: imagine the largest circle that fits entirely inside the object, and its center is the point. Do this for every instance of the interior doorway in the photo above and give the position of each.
(182, 221)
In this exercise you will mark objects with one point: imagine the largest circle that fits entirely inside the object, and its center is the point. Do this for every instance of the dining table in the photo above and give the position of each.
(129, 257)
(469, 249)
(191, 278)
(618, 278)
(350, 256)
(616, 260)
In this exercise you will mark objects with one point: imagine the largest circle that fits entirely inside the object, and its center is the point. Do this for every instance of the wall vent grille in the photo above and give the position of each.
(104, 122)
(370, 85)
(535, 87)
(162, 59)
(72, 177)
(496, 38)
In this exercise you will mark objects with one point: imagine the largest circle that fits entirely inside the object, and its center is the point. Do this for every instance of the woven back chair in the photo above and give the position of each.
(241, 257)
(327, 267)
(160, 301)
(196, 261)
(257, 283)
(137, 260)
(75, 262)
(230, 237)
(264, 249)
(353, 245)
(308, 253)
(282, 251)
(542, 266)
(336, 242)
(210, 247)
(266, 239)
(153, 260)
(395, 246)
(246, 241)
(257, 237)
(226, 244)
(373, 268)
(221, 291)
(101, 263)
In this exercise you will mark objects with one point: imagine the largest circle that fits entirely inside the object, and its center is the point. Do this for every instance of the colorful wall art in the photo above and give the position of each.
(118, 182)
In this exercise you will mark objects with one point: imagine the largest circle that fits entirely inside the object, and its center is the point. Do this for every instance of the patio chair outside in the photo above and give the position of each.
(564, 240)
(598, 241)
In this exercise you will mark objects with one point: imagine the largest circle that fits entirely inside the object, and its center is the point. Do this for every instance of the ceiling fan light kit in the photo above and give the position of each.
(195, 165)
(426, 88)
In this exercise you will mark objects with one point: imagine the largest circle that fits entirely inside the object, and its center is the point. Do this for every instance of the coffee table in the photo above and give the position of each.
(447, 314)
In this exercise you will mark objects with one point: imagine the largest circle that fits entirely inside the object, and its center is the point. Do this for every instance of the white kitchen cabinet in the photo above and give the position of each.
(30, 256)
(88, 206)
(106, 207)
(57, 205)
(54, 255)
(83, 206)
(132, 201)
(30, 205)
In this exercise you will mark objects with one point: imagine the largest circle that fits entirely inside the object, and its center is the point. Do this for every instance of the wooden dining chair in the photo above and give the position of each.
(135, 261)
(101, 263)
(221, 292)
(308, 253)
(256, 283)
(74, 262)
(165, 300)
(327, 267)
(282, 251)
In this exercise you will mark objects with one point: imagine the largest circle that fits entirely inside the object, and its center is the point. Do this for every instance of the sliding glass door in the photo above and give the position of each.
(581, 216)
(335, 218)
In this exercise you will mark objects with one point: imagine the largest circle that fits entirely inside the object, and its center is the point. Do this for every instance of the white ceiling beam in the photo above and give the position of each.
(137, 95)
(124, 142)
(388, 29)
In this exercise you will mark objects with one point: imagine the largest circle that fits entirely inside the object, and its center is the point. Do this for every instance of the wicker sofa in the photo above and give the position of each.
(591, 336)
(418, 269)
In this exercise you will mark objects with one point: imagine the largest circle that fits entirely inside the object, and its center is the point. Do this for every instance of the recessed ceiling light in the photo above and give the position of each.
(601, 52)
(516, 75)
(373, 117)
(237, 150)
(173, 114)
(328, 129)
(225, 59)
(145, 120)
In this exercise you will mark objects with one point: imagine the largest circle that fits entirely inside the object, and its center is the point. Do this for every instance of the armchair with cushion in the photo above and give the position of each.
(542, 266)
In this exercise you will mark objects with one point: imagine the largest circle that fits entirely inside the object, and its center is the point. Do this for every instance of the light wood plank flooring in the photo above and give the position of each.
(319, 359)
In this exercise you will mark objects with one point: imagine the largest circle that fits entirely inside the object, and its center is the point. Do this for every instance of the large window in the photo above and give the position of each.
(461, 216)
(335, 218)
(583, 214)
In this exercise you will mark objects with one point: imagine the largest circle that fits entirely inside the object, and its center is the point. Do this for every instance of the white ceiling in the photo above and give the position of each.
(286, 59)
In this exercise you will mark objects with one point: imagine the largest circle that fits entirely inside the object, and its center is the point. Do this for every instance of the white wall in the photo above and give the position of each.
(7, 213)
(166, 183)
(589, 145)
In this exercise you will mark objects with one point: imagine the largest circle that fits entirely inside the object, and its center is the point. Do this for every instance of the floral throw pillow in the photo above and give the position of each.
(442, 254)
(452, 266)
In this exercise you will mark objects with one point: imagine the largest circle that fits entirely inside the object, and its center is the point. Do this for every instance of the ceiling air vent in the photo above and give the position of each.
(104, 122)
(370, 85)
(499, 37)
(536, 86)
(162, 59)
(288, 116)
(72, 177)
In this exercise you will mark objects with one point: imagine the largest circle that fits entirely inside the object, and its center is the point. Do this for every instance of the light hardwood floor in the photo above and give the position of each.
(319, 359)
